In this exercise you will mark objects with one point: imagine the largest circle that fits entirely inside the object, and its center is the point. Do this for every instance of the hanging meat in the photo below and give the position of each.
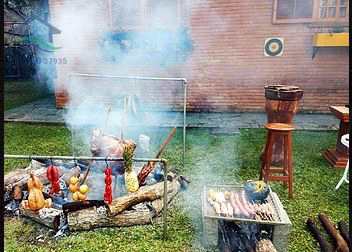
(109, 146)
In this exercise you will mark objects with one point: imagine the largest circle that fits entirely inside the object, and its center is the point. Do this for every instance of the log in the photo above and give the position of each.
(89, 218)
(95, 217)
(145, 193)
(325, 246)
(147, 168)
(20, 176)
(341, 244)
(265, 245)
(344, 230)
(79, 205)
(50, 221)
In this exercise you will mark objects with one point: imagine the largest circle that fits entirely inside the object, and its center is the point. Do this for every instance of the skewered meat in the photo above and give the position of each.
(215, 205)
(220, 197)
(223, 209)
(229, 209)
(235, 204)
(227, 195)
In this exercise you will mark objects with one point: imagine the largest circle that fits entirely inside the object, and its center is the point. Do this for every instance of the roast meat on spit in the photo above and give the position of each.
(109, 146)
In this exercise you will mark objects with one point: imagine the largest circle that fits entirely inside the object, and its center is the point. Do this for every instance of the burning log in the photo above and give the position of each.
(146, 169)
(325, 246)
(49, 217)
(95, 217)
(145, 193)
(343, 227)
(341, 244)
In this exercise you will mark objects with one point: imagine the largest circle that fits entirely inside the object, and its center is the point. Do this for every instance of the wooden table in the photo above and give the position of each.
(338, 157)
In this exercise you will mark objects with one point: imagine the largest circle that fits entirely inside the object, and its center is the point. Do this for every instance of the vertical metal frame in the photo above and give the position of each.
(182, 80)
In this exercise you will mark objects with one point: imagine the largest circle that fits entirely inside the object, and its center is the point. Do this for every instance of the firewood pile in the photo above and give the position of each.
(74, 206)
(340, 236)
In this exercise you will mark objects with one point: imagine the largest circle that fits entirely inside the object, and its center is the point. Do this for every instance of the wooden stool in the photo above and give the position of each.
(267, 171)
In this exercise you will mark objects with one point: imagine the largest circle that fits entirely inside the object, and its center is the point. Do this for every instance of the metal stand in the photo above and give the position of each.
(142, 78)
(160, 160)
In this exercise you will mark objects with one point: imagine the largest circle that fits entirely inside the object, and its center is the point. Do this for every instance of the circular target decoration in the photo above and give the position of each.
(273, 47)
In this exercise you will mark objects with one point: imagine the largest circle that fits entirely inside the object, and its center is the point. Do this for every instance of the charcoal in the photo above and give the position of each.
(12, 208)
(237, 237)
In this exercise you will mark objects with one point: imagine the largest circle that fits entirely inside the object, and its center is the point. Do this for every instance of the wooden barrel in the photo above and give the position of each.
(282, 102)
(281, 105)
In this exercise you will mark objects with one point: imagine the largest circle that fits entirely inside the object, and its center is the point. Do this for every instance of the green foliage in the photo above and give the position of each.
(17, 93)
(210, 159)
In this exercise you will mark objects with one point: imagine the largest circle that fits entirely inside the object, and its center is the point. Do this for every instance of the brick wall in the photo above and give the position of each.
(228, 70)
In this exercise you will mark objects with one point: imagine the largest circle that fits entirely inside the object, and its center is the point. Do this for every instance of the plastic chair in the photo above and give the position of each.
(344, 141)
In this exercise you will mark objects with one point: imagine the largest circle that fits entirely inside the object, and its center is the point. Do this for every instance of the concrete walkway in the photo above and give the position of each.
(44, 111)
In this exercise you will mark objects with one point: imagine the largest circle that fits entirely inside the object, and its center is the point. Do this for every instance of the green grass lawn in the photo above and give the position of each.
(21, 92)
(210, 159)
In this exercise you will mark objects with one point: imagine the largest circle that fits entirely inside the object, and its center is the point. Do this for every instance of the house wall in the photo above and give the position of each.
(227, 70)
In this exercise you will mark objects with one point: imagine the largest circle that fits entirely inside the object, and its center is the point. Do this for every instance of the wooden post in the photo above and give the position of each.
(165, 201)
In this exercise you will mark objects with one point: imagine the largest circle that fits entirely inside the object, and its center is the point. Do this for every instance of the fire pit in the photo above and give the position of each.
(274, 220)
(66, 214)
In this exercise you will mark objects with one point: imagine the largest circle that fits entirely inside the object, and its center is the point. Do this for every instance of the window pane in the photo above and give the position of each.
(332, 3)
(304, 8)
(332, 12)
(323, 3)
(323, 12)
(343, 2)
(294, 8)
(343, 12)
(285, 8)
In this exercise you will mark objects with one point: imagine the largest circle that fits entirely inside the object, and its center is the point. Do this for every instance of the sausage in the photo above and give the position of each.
(242, 209)
(236, 210)
(245, 203)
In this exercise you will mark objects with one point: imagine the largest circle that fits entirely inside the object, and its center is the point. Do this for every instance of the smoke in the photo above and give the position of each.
(211, 160)
(100, 102)
(44, 61)
(91, 46)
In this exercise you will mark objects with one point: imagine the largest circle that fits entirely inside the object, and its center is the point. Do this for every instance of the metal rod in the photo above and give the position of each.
(127, 77)
(165, 201)
(8, 156)
(184, 119)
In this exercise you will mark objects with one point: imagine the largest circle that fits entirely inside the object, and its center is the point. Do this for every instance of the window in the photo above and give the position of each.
(331, 9)
(310, 11)
(146, 14)
(295, 9)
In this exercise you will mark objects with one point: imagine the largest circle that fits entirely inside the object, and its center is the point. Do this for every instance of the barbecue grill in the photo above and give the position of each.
(281, 226)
